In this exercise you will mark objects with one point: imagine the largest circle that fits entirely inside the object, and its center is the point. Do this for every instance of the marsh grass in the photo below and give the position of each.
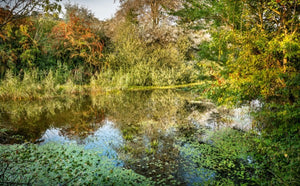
(36, 84)
(143, 75)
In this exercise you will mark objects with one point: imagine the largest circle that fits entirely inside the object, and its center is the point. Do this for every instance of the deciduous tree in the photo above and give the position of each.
(261, 40)
(75, 43)
(153, 9)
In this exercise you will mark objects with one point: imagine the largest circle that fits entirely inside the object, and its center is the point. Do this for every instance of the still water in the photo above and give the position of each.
(139, 130)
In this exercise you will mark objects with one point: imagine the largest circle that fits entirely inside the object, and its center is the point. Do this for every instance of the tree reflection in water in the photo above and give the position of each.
(139, 129)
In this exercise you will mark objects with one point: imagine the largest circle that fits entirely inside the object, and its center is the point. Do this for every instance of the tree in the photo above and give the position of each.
(11, 10)
(154, 24)
(154, 9)
(80, 12)
(261, 40)
(74, 42)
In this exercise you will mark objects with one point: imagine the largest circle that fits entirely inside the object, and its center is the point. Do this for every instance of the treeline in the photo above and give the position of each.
(128, 50)
(44, 42)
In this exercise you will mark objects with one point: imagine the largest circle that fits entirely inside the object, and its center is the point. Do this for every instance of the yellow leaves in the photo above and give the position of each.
(8, 30)
(24, 29)
(280, 82)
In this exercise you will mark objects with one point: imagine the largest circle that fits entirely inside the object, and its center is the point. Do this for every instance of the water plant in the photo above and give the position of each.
(56, 164)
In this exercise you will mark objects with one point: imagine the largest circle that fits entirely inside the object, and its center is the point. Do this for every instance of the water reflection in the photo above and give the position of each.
(107, 139)
(138, 129)
(29, 120)
(55, 135)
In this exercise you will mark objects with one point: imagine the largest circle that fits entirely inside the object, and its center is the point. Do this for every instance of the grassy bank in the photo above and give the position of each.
(46, 85)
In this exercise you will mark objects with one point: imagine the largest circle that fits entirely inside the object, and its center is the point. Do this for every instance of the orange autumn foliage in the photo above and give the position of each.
(75, 40)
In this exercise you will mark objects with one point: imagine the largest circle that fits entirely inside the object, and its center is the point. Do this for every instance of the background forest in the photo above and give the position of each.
(237, 51)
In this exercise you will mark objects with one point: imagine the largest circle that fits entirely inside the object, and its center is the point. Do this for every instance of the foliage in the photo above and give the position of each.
(23, 53)
(36, 84)
(133, 62)
(42, 42)
(258, 41)
(75, 43)
(13, 10)
(278, 146)
(72, 51)
(54, 164)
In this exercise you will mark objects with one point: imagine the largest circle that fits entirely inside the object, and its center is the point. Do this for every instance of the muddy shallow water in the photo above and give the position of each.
(140, 130)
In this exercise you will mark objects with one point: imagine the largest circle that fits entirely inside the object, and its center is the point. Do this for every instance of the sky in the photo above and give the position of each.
(103, 9)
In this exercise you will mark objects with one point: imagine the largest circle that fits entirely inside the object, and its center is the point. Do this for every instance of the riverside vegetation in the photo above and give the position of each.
(236, 51)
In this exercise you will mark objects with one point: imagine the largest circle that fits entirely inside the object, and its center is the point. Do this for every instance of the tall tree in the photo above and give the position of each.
(152, 8)
(155, 25)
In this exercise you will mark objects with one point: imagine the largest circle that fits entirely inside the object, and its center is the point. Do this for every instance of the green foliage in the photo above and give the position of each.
(74, 49)
(258, 41)
(25, 45)
(20, 49)
(277, 149)
(37, 84)
(134, 63)
(278, 158)
(42, 42)
(261, 71)
(210, 12)
(54, 164)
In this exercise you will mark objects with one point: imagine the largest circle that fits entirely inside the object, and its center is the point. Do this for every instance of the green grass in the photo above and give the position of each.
(36, 84)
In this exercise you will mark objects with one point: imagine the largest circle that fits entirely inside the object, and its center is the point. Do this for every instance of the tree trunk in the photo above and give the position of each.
(154, 13)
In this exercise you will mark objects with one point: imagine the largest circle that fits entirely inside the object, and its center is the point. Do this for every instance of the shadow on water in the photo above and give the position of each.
(140, 130)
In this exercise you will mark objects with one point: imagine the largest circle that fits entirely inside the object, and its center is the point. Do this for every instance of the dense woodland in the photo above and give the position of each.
(236, 51)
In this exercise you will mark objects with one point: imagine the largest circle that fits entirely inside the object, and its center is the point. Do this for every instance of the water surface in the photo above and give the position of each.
(140, 130)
